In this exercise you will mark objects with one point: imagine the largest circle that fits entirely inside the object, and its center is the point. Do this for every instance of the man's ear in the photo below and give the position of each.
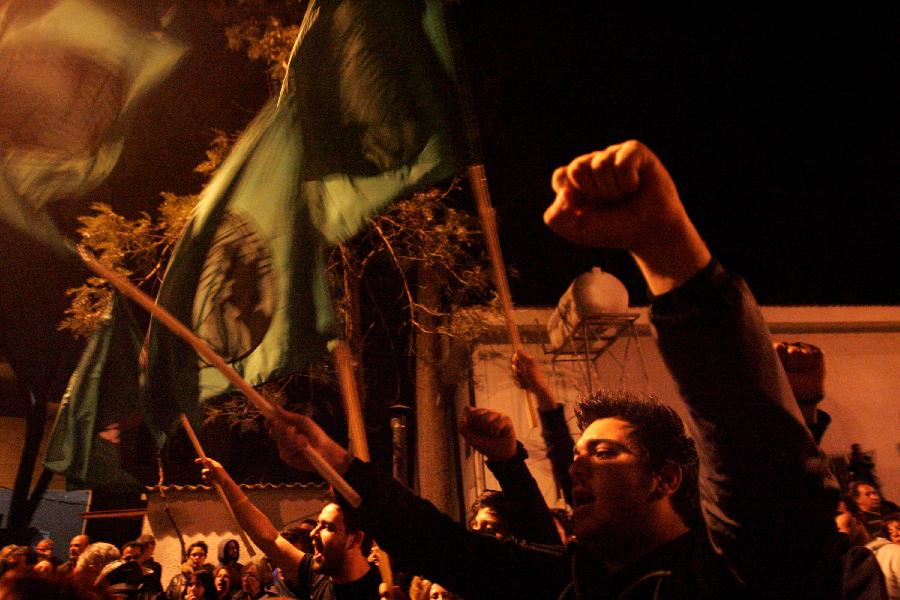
(668, 480)
(356, 539)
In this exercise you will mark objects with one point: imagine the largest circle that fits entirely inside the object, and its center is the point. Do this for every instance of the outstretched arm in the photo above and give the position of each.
(554, 430)
(280, 552)
(623, 197)
(491, 433)
(764, 484)
(529, 377)
(419, 537)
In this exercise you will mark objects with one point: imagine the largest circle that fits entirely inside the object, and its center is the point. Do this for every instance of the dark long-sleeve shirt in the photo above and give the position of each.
(766, 491)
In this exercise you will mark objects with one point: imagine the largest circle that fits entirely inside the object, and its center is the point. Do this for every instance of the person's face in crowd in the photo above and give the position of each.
(196, 557)
(867, 498)
(195, 590)
(132, 553)
(250, 581)
(611, 487)
(848, 524)
(439, 592)
(330, 541)
(77, 546)
(893, 531)
(305, 543)
(44, 548)
(232, 550)
(149, 549)
(223, 582)
(488, 521)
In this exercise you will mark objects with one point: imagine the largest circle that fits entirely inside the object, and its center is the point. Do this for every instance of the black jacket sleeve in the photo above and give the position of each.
(559, 447)
(766, 491)
(422, 540)
(530, 519)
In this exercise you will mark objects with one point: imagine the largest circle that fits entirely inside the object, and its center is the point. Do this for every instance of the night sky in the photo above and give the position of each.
(781, 135)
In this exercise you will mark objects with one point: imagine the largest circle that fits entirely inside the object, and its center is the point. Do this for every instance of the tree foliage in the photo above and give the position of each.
(427, 229)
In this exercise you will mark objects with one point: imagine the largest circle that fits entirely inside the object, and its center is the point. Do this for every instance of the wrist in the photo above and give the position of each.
(516, 451)
(671, 259)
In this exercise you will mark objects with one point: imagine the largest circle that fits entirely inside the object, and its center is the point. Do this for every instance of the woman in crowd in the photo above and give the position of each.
(195, 563)
(255, 578)
(200, 586)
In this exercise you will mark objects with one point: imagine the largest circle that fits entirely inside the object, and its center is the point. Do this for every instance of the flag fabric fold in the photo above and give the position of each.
(367, 113)
(100, 402)
(72, 75)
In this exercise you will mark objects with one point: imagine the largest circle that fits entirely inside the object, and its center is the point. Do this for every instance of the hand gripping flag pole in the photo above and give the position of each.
(268, 410)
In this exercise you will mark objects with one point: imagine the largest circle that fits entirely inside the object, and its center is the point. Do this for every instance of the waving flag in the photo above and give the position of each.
(101, 401)
(71, 78)
(367, 113)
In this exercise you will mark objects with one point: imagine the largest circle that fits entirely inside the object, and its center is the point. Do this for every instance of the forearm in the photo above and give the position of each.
(531, 519)
(258, 526)
(559, 447)
(672, 256)
(759, 463)
(422, 540)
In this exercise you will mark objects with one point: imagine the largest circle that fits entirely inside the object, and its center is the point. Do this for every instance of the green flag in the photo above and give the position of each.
(100, 401)
(72, 75)
(367, 113)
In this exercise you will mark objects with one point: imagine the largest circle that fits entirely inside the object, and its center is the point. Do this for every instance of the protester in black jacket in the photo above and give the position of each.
(765, 489)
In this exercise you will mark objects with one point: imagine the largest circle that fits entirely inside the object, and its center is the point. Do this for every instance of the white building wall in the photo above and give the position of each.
(862, 353)
(200, 515)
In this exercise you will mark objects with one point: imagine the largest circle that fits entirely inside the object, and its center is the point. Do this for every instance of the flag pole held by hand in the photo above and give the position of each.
(478, 180)
(268, 410)
(199, 450)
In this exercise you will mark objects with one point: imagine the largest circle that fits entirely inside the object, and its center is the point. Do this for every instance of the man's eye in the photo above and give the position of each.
(604, 452)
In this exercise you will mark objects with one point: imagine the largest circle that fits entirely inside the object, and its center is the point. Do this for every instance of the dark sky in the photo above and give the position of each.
(782, 135)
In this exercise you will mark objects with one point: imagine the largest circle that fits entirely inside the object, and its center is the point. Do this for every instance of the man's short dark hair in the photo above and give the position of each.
(853, 487)
(496, 502)
(133, 544)
(352, 522)
(849, 504)
(201, 544)
(659, 432)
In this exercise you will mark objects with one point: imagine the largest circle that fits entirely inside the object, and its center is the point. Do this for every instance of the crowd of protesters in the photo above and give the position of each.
(740, 503)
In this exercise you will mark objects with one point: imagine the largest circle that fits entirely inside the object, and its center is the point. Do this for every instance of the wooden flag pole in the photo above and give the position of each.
(356, 430)
(478, 180)
(199, 450)
(268, 410)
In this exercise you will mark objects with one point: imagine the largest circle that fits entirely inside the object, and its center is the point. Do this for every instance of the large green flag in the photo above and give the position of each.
(101, 400)
(367, 113)
(72, 75)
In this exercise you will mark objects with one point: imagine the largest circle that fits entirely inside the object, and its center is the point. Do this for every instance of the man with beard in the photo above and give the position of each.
(336, 570)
